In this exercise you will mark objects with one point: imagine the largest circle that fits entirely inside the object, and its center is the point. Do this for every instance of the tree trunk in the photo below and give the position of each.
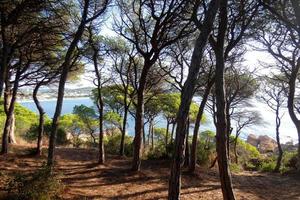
(152, 137)
(41, 120)
(7, 101)
(221, 126)
(280, 152)
(101, 158)
(11, 135)
(139, 119)
(149, 131)
(186, 98)
(122, 144)
(167, 135)
(172, 133)
(61, 88)
(139, 122)
(4, 54)
(187, 146)
(197, 126)
(9, 114)
(290, 105)
(235, 150)
(228, 129)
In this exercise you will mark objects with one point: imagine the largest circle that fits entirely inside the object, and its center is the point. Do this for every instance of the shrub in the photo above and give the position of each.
(40, 185)
(268, 166)
(235, 167)
(112, 144)
(32, 133)
(205, 147)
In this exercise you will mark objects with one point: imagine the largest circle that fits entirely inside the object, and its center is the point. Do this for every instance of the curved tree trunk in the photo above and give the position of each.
(193, 161)
(41, 120)
(186, 99)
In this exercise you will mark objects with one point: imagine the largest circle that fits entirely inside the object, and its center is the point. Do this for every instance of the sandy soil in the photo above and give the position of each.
(84, 179)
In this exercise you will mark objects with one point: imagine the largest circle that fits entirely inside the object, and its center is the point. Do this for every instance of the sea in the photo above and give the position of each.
(266, 127)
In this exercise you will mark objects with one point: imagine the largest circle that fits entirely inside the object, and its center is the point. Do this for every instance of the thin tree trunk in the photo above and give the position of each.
(280, 152)
(41, 120)
(152, 137)
(197, 126)
(122, 144)
(167, 135)
(186, 98)
(150, 130)
(235, 150)
(187, 146)
(61, 87)
(172, 133)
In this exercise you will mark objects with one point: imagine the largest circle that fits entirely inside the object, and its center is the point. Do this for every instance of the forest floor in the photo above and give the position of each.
(84, 179)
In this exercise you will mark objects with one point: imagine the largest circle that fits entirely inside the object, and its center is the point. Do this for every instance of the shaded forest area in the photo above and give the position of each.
(168, 61)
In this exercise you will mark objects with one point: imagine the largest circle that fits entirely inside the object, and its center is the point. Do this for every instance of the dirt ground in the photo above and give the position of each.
(86, 180)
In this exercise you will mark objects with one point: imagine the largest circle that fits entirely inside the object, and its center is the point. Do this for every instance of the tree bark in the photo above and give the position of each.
(193, 162)
(186, 98)
(139, 120)
(122, 144)
(221, 126)
(41, 120)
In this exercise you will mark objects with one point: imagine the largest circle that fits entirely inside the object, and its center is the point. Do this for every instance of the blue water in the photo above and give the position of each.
(68, 105)
(267, 126)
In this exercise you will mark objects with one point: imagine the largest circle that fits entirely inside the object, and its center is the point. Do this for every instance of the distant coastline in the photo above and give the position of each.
(43, 99)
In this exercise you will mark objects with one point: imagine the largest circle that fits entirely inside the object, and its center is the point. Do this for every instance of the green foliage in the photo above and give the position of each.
(32, 133)
(268, 165)
(112, 144)
(113, 118)
(235, 167)
(247, 150)
(289, 161)
(40, 185)
(205, 147)
(25, 118)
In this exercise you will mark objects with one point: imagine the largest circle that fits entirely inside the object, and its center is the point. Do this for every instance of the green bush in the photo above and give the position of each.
(268, 166)
(24, 117)
(32, 133)
(235, 167)
(112, 144)
(205, 147)
(40, 185)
